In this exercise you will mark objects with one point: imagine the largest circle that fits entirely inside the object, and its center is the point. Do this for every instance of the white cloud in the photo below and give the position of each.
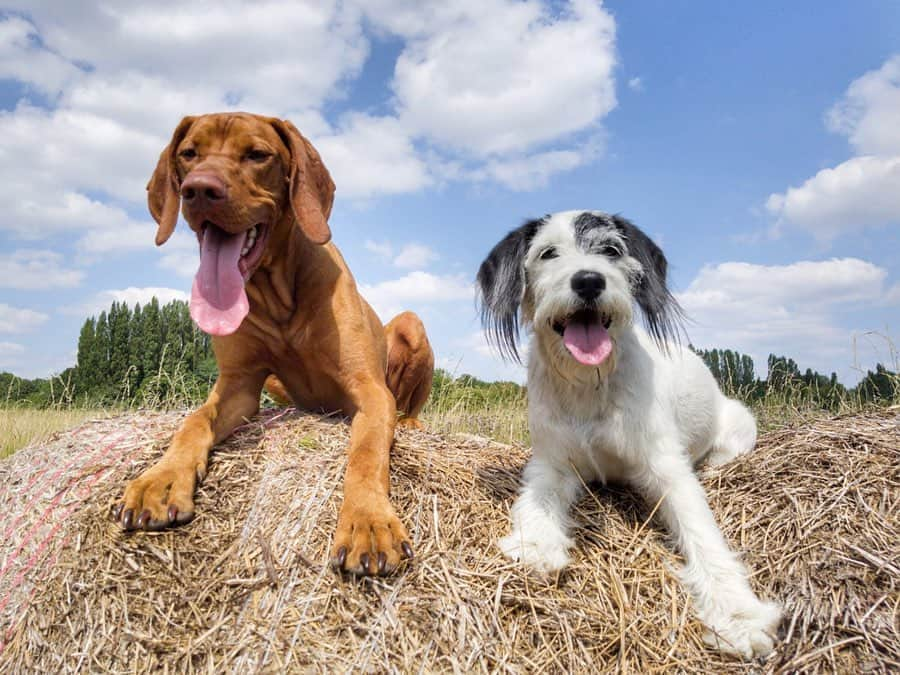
(483, 79)
(11, 355)
(31, 269)
(372, 155)
(411, 256)
(99, 145)
(382, 249)
(415, 256)
(527, 173)
(265, 52)
(636, 84)
(130, 296)
(859, 193)
(22, 59)
(864, 191)
(498, 76)
(416, 291)
(869, 112)
(19, 319)
(782, 309)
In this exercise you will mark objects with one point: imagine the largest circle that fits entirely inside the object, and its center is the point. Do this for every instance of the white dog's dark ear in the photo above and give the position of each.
(501, 286)
(661, 310)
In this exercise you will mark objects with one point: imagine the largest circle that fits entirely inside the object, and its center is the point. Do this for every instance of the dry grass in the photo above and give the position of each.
(21, 426)
(244, 588)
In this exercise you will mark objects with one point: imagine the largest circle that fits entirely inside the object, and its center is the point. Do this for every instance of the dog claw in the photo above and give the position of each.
(143, 521)
(341, 557)
(407, 550)
(364, 563)
(116, 511)
(382, 562)
(172, 513)
(128, 519)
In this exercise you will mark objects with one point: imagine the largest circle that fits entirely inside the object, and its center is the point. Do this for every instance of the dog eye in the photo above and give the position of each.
(188, 153)
(611, 251)
(549, 253)
(258, 155)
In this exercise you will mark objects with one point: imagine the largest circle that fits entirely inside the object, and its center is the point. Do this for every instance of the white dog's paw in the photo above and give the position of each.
(744, 627)
(548, 554)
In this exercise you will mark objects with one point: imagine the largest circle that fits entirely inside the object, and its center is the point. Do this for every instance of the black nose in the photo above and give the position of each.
(588, 285)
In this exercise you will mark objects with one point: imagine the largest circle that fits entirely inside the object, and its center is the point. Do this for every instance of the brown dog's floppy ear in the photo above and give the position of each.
(163, 190)
(311, 187)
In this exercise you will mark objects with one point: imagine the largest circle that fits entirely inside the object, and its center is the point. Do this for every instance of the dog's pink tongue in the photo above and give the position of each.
(589, 343)
(218, 300)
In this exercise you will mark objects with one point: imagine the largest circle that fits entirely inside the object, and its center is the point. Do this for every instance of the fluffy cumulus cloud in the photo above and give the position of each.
(19, 320)
(371, 156)
(37, 269)
(792, 309)
(413, 256)
(482, 79)
(864, 191)
(869, 113)
(859, 193)
(21, 58)
(488, 77)
(525, 173)
(415, 291)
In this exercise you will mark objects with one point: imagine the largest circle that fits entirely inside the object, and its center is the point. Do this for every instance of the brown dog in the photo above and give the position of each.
(279, 301)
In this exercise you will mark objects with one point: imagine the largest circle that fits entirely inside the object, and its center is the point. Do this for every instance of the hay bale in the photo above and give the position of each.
(244, 587)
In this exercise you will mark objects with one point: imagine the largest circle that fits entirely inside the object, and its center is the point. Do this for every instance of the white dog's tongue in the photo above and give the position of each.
(589, 343)
(218, 300)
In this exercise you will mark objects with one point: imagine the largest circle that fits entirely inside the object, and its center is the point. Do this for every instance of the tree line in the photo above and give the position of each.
(737, 377)
(151, 356)
(155, 356)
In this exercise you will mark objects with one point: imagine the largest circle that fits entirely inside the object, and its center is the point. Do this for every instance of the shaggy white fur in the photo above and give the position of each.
(645, 415)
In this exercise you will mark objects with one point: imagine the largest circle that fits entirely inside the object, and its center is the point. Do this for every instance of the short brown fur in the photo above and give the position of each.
(309, 337)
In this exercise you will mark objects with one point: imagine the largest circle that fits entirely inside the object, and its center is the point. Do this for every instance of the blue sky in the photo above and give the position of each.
(758, 143)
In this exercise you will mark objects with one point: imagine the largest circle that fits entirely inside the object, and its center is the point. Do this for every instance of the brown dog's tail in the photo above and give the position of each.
(410, 365)
(277, 391)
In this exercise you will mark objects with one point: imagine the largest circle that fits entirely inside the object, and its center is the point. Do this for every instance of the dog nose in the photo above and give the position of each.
(202, 187)
(588, 285)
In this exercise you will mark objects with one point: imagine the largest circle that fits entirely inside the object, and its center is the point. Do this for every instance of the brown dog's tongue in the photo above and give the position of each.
(218, 300)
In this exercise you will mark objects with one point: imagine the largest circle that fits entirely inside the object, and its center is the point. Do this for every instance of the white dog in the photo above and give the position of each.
(608, 402)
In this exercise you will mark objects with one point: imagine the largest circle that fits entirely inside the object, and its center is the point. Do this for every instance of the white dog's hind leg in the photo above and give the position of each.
(540, 517)
(735, 432)
(739, 622)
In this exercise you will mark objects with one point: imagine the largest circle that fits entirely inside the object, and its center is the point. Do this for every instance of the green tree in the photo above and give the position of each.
(119, 353)
(150, 339)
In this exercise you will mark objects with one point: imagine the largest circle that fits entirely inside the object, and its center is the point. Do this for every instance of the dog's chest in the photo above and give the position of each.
(584, 428)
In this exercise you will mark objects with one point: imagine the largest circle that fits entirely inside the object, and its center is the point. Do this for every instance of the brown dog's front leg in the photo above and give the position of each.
(370, 539)
(164, 494)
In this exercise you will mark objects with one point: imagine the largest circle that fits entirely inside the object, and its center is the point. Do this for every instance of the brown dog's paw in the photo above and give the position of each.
(161, 496)
(410, 423)
(370, 539)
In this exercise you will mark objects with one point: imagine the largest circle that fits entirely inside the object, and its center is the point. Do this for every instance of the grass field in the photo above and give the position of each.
(21, 426)
(456, 410)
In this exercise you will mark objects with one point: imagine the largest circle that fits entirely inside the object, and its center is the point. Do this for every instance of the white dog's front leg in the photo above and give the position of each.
(540, 517)
(739, 622)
